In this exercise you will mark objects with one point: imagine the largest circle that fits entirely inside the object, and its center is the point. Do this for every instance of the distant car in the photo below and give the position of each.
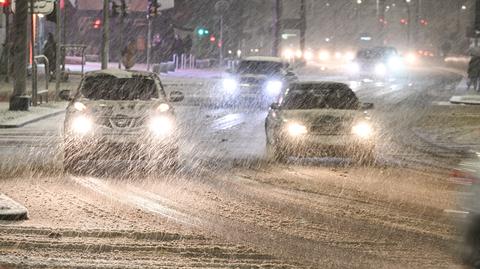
(467, 175)
(259, 78)
(120, 115)
(376, 63)
(320, 119)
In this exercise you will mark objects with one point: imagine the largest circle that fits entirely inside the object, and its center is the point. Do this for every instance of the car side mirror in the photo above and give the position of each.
(64, 95)
(176, 96)
(275, 106)
(366, 106)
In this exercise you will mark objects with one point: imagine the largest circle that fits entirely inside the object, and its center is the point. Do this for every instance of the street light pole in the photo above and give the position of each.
(106, 34)
(303, 26)
(276, 27)
(58, 52)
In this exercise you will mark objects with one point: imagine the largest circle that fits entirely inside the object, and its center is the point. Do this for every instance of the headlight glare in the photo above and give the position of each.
(274, 87)
(161, 125)
(230, 85)
(380, 69)
(81, 125)
(79, 106)
(296, 129)
(354, 68)
(363, 130)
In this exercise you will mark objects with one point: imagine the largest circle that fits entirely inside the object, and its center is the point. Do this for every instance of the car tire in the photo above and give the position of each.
(365, 157)
(70, 162)
(275, 153)
(471, 248)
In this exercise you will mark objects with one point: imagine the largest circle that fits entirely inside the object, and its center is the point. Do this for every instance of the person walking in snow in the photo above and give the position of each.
(474, 73)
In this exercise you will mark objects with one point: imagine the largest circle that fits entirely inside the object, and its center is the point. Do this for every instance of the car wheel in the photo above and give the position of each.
(365, 156)
(471, 251)
(275, 153)
(70, 162)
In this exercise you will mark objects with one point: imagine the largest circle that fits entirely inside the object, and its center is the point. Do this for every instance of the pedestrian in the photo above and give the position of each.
(129, 54)
(187, 44)
(50, 51)
(474, 73)
(178, 46)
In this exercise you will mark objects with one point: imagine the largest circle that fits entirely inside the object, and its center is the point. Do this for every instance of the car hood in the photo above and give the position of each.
(316, 116)
(105, 108)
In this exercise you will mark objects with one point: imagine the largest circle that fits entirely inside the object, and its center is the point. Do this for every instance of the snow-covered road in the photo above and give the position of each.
(229, 207)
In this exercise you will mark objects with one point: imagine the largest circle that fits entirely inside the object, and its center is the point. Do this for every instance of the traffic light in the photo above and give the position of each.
(403, 21)
(423, 22)
(97, 23)
(114, 9)
(153, 7)
(4, 3)
(213, 39)
(201, 31)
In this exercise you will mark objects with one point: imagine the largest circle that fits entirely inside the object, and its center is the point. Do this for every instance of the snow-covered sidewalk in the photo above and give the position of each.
(15, 119)
(11, 210)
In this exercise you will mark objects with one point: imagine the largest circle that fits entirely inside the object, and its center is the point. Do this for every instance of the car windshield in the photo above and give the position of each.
(259, 67)
(108, 87)
(320, 97)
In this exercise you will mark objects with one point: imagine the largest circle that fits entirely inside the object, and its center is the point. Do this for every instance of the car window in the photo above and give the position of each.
(259, 67)
(319, 97)
(112, 88)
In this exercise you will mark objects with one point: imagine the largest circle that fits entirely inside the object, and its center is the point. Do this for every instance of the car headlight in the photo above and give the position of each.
(79, 106)
(81, 125)
(380, 69)
(161, 125)
(274, 87)
(363, 130)
(230, 85)
(296, 129)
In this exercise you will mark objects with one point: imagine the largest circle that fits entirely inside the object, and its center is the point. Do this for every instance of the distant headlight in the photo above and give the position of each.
(380, 69)
(395, 63)
(161, 125)
(274, 87)
(363, 130)
(296, 129)
(81, 125)
(230, 85)
(354, 68)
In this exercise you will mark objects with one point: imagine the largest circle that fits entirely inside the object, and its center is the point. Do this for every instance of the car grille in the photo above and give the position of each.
(330, 125)
(121, 122)
(253, 81)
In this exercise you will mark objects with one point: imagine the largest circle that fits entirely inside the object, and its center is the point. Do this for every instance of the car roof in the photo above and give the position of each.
(119, 73)
(320, 83)
(264, 59)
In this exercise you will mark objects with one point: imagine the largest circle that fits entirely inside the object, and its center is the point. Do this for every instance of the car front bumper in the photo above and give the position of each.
(120, 146)
(315, 145)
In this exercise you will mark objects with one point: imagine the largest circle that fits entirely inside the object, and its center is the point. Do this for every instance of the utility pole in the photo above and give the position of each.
(106, 34)
(221, 8)
(20, 48)
(6, 10)
(381, 20)
(277, 27)
(123, 14)
(58, 53)
(303, 26)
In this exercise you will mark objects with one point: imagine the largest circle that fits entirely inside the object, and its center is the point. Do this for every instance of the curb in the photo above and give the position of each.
(11, 210)
(39, 118)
